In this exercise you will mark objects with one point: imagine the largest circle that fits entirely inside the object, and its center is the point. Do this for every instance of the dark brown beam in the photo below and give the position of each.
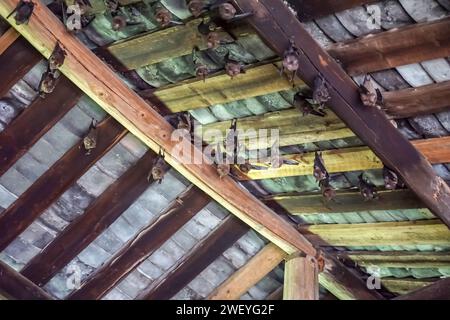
(277, 25)
(143, 245)
(52, 184)
(397, 47)
(97, 217)
(202, 255)
(15, 286)
(440, 290)
(308, 10)
(413, 102)
(16, 62)
(35, 121)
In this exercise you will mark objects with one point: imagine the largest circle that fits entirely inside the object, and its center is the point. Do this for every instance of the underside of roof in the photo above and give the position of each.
(80, 223)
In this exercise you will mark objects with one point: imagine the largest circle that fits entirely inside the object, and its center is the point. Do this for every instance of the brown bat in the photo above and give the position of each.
(57, 58)
(305, 107)
(370, 96)
(321, 93)
(233, 67)
(196, 7)
(327, 190)
(159, 169)
(90, 140)
(291, 61)
(23, 11)
(118, 23)
(391, 180)
(48, 82)
(319, 172)
(223, 168)
(201, 70)
(224, 10)
(163, 16)
(367, 189)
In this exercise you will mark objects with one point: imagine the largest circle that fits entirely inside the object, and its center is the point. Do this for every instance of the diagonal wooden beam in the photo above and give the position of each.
(413, 102)
(53, 183)
(201, 256)
(95, 79)
(397, 47)
(15, 286)
(97, 217)
(277, 25)
(346, 201)
(308, 10)
(15, 62)
(440, 290)
(186, 206)
(8, 39)
(250, 274)
(35, 121)
(404, 286)
(301, 278)
(431, 232)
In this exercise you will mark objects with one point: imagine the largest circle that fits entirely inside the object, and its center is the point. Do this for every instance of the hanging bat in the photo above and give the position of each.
(219, 10)
(48, 82)
(327, 190)
(291, 61)
(23, 12)
(90, 140)
(319, 172)
(233, 67)
(370, 96)
(223, 168)
(305, 107)
(391, 180)
(164, 17)
(201, 70)
(321, 93)
(57, 58)
(367, 189)
(159, 169)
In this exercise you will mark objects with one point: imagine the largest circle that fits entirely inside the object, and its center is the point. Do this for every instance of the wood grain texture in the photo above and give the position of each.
(393, 48)
(97, 217)
(440, 290)
(35, 121)
(94, 78)
(8, 39)
(140, 247)
(53, 183)
(406, 285)
(249, 274)
(301, 281)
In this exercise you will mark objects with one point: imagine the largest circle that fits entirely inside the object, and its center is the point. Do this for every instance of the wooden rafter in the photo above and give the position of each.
(35, 121)
(277, 25)
(440, 290)
(202, 255)
(404, 286)
(301, 278)
(8, 39)
(95, 79)
(15, 286)
(143, 244)
(96, 218)
(397, 47)
(53, 183)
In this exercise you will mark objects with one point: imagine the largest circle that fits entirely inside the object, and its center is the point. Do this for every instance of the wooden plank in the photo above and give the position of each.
(35, 121)
(426, 232)
(97, 217)
(397, 47)
(278, 26)
(395, 259)
(8, 39)
(436, 150)
(308, 10)
(405, 285)
(15, 286)
(94, 78)
(219, 89)
(201, 256)
(418, 101)
(53, 183)
(15, 62)
(346, 201)
(440, 290)
(293, 128)
(301, 278)
(250, 274)
(158, 46)
(186, 206)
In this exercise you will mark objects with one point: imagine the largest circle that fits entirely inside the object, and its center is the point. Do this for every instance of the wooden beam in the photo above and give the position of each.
(440, 290)
(94, 78)
(395, 259)
(301, 281)
(397, 47)
(8, 39)
(53, 183)
(15, 286)
(35, 121)
(15, 62)
(346, 201)
(436, 150)
(250, 274)
(96, 218)
(404, 286)
(201, 256)
(418, 101)
(430, 232)
(186, 206)
(308, 10)
(277, 25)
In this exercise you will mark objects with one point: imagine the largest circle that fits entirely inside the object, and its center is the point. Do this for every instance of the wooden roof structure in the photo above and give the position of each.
(93, 223)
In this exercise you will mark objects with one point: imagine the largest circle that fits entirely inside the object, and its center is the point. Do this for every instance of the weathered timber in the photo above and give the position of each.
(440, 290)
(8, 39)
(301, 281)
(404, 286)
